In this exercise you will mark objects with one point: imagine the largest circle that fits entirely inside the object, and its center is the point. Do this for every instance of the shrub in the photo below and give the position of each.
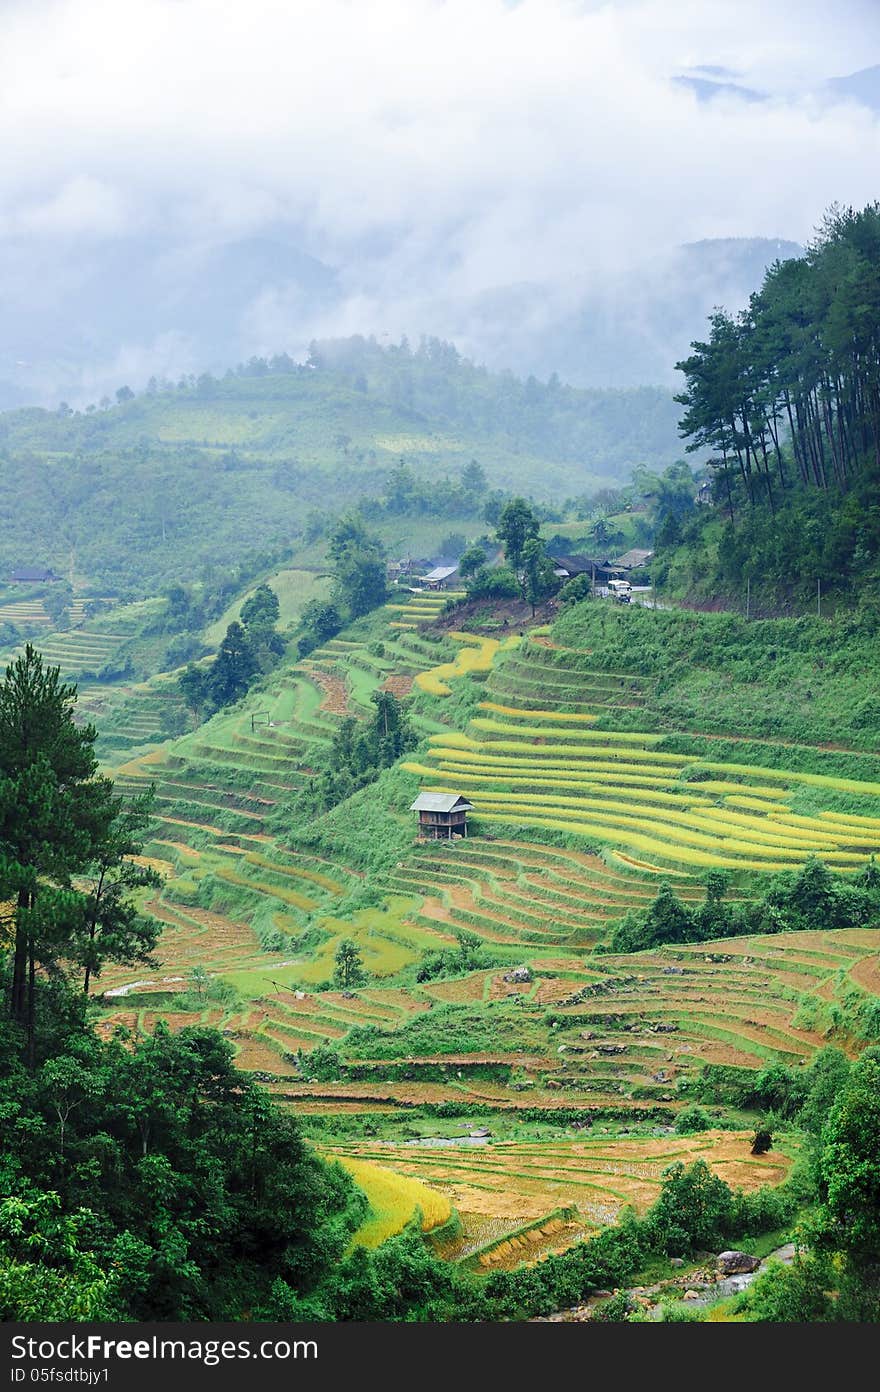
(691, 1120)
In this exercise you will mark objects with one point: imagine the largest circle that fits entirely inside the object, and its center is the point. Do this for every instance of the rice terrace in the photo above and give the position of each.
(440, 834)
(529, 1092)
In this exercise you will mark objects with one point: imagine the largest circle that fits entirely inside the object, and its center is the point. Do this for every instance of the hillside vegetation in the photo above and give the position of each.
(600, 767)
(216, 469)
(787, 397)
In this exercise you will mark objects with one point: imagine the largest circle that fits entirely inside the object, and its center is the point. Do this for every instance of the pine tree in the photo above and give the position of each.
(55, 813)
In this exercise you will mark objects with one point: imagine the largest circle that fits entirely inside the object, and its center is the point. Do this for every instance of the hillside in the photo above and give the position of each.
(216, 470)
(596, 775)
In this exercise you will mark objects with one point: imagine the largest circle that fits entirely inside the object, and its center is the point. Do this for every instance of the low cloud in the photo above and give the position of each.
(431, 154)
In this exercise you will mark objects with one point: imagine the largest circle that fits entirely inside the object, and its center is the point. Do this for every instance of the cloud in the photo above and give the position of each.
(430, 151)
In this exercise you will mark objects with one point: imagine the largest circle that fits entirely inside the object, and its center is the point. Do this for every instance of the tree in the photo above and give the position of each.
(601, 533)
(539, 578)
(320, 621)
(400, 489)
(259, 615)
(358, 559)
(694, 1210)
(849, 1219)
(474, 559)
(57, 603)
(261, 609)
(193, 686)
(234, 668)
(111, 926)
(349, 966)
(124, 394)
(55, 815)
(473, 478)
(516, 525)
(496, 582)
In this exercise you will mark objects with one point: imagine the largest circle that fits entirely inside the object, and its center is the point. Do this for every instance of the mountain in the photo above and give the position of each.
(209, 471)
(633, 327)
(79, 318)
(862, 87)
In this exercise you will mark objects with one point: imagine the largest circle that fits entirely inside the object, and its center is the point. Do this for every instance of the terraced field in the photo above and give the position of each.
(77, 651)
(522, 894)
(602, 1040)
(556, 768)
(238, 897)
(521, 1200)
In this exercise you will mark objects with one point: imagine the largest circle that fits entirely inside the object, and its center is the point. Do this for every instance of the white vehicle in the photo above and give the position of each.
(621, 590)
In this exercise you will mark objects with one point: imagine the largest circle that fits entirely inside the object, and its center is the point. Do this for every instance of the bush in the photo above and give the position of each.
(691, 1120)
(497, 583)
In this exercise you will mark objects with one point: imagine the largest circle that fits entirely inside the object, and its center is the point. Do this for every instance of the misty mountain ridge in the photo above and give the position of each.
(108, 313)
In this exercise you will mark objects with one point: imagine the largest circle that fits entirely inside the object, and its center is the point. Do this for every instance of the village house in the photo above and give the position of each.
(442, 815)
(32, 575)
(441, 576)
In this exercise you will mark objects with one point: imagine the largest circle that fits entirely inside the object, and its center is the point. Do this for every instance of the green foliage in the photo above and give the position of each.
(473, 559)
(233, 669)
(319, 622)
(581, 587)
(695, 1211)
(348, 969)
(360, 749)
(495, 582)
(470, 955)
(195, 1192)
(539, 578)
(690, 1120)
(809, 898)
(516, 525)
(358, 560)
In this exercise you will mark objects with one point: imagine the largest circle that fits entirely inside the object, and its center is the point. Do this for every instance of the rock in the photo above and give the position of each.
(736, 1263)
(676, 1261)
(785, 1254)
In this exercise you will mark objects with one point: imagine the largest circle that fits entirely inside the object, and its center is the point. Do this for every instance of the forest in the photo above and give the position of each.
(786, 396)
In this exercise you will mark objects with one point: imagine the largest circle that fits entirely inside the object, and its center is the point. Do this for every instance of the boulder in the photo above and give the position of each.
(736, 1263)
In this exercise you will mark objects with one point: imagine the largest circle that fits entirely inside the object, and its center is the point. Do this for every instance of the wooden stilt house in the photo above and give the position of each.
(442, 815)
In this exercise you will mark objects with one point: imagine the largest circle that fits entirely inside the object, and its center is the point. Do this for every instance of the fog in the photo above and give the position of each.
(185, 182)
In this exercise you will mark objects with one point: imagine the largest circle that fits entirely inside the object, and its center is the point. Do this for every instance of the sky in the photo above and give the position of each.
(430, 152)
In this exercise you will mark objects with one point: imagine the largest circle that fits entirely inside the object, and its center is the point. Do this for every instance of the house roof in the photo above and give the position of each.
(441, 802)
(32, 573)
(441, 572)
(573, 565)
(633, 559)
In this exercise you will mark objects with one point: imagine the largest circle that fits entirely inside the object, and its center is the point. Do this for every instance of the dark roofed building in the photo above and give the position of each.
(32, 575)
(569, 567)
(442, 815)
